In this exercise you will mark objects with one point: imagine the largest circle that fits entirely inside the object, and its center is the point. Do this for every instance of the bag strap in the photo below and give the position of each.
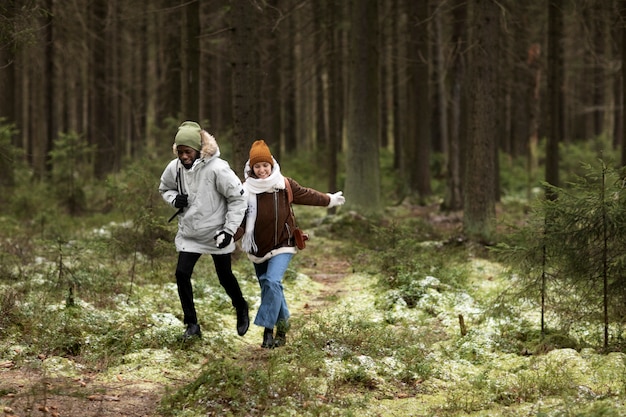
(290, 200)
(289, 192)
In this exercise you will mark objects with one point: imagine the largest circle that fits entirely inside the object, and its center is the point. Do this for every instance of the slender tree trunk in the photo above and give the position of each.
(454, 195)
(442, 92)
(555, 90)
(101, 113)
(418, 144)
(363, 169)
(289, 88)
(245, 82)
(304, 74)
(270, 86)
(479, 207)
(7, 64)
(398, 102)
(333, 86)
(386, 28)
(600, 79)
(605, 261)
(190, 46)
(319, 50)
(7, 104)
(151, 84)
(51, 81)
(534, 84)
(623, 90)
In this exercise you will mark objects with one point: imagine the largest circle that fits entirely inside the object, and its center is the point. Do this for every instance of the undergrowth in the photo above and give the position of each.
(425, 315)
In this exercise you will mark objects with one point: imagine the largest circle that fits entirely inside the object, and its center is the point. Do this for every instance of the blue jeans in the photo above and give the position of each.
(273, 305)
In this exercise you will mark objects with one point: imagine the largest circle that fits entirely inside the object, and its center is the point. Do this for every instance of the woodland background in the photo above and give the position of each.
(429, 115)
(446, 86)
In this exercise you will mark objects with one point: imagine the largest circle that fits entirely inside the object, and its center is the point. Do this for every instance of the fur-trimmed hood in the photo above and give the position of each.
(209, 146)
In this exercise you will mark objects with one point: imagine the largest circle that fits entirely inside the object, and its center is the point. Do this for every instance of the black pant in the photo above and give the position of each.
(184, 270)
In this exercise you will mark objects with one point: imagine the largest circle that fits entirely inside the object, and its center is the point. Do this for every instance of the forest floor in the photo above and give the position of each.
(31, 392)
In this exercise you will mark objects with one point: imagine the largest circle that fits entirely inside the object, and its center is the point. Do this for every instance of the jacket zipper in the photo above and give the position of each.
(275, 218)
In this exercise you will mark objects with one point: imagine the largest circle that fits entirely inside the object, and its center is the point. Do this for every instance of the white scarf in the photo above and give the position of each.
(252, 187)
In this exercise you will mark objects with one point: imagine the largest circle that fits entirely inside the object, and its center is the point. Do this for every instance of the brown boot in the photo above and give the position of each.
(282, 327)
(268, 339)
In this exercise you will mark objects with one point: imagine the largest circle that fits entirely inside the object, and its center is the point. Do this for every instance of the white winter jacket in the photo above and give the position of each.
(215, 199)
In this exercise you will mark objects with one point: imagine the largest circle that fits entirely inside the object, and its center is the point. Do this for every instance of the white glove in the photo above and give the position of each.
(336, 199)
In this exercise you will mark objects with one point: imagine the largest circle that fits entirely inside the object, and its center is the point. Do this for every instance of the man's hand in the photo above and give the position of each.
(181, 201)
(222, 239)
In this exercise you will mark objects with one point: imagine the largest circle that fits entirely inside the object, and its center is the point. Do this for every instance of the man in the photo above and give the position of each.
(211, 205)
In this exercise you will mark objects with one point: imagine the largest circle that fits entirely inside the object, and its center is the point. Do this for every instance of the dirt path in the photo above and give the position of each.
(331, 277)
(31, 393)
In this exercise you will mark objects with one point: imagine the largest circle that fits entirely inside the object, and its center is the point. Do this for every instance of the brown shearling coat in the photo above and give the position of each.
(275, 222)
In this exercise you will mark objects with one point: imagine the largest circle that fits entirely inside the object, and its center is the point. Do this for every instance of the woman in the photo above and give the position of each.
(268, 237)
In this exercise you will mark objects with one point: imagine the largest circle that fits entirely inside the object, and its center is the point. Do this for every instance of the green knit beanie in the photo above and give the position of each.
(189, 135)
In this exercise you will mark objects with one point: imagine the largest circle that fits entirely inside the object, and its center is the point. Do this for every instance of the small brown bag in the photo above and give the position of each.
(300, 238)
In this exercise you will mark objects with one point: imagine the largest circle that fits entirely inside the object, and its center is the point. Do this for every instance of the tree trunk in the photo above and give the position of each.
(555, 90)
(270, 86)
(245, 82)
(623, 96)
(7, 104)
(600, 78)
(442, 92)
(319, 50)
(100, 111)
(333, 84)
(387, 27)
(363, 169)
(479, 213)
(533, 88)
(190, 47)
(454, 196)
(289, 88)
(151, 84)
(50, 81)
(398, 102)
(418, 143)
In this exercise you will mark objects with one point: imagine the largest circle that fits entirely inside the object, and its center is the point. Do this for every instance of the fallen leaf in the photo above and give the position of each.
(103, 398)
(111, 398)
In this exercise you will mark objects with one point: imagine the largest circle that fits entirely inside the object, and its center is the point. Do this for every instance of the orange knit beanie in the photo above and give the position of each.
(260, 152)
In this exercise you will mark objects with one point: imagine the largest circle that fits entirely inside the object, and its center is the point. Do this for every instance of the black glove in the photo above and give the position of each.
(223, 239)
(181, 201)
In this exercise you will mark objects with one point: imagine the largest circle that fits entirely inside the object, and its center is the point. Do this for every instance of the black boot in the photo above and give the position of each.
(268, 339)
(282, 327)
(193, 330)
(243, 321)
